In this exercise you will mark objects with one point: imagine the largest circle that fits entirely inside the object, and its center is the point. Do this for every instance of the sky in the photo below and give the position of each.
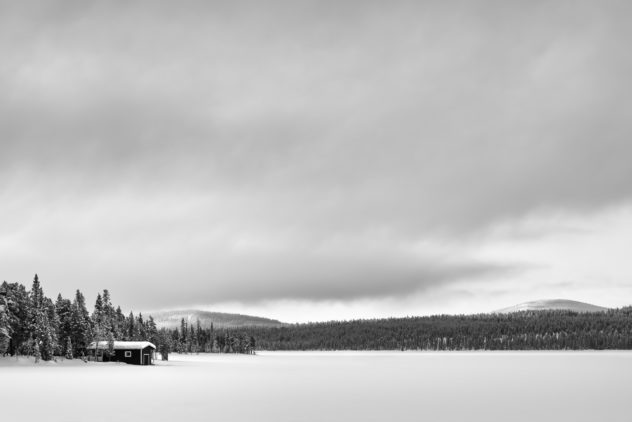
(318, 160)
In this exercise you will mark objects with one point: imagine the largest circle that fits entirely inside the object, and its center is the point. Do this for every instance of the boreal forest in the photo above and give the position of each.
(527, 330)
(33, 324)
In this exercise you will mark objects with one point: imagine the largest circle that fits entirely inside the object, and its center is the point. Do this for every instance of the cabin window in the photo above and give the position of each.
(128, 354)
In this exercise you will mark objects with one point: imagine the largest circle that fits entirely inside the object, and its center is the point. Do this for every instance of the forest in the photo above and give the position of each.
(527, 330)
(32, 324)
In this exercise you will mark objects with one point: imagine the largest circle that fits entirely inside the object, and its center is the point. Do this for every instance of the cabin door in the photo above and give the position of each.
(145, 359)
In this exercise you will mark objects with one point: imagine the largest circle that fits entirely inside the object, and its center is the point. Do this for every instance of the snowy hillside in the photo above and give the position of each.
(553, 305)
(171, 319)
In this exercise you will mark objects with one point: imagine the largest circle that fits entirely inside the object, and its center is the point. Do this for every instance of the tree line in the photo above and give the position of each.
(193, 338)
(527, 330)
(32, 324)
(35, 325)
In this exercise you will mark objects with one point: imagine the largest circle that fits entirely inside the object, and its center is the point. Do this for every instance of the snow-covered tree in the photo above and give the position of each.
(152, 330)
(142, 328)
(132, 333)
(36, 351)
(110, 350)
(163, 344)
(41, 310)
(68, 348)
(5, 333)
(81, 325)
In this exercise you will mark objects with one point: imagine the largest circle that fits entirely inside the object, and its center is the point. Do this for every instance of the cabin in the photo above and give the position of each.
(132, 352)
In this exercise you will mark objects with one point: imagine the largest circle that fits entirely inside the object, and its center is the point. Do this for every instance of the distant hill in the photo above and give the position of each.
(171, 319)
(552, 305)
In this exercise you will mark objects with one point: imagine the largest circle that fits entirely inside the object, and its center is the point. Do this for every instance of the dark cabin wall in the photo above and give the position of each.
(135, 359)
(119, 356)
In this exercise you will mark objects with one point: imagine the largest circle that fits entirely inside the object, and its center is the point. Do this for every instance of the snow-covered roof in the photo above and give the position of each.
(123, 345)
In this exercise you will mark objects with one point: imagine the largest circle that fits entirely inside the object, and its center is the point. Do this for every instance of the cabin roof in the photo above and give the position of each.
(123, 345)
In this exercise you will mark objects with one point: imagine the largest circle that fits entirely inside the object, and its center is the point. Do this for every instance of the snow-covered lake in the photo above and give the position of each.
(322, 386)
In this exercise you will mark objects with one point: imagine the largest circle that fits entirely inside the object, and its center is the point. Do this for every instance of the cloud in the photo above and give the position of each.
(161, 253)
(166, 131)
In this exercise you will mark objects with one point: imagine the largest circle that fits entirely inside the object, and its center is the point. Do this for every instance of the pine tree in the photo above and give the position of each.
(99, 332)
(108, 314)
(142, 329)
(37, 294)
(81, 325)
(152, 330)
(49, 343)
(110, 351)
(215, 347)
(18, 315)
(198, 334)
(119, 324)
(63, 310)
(40, 325)
(68, 348)
(192, 343)
(252, 345)
(227, 344)
(164, 344)
(36, 351)
(5, 333)
(183, 331)
(52, 339)
(131, 327)
(98, 316)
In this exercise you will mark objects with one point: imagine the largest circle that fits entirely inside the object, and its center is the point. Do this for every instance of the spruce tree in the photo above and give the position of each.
(5, 333)
(119, 325)
(152, 330)
(81, 325)
(18, 314)
(98, 316)
(63, 310)
(142, 328)
(52, 337)
(36, 351)
(131, 327)
(98, 331)
(164, 344)
(183, 330)
(110, 350)
(108, 313)
(192, 343)
(40, 324)
(68, 348)
(48, 343)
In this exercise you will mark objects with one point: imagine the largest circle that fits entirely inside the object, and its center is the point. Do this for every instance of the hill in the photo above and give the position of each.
(553, 305)
(171, 319)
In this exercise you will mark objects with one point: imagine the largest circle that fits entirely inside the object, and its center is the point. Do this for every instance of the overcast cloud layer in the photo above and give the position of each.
(185, 153)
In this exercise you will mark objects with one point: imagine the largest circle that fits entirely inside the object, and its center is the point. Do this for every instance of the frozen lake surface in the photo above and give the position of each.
(326, 386)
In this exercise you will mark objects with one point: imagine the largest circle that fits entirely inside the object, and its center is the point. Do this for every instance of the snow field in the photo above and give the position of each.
(325, 386)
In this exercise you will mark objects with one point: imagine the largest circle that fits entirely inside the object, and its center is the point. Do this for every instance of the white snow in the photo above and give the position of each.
(552, 305)
(321, 386)
(120, 345)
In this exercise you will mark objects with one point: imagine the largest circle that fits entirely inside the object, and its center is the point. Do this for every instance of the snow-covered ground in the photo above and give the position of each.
(321, 386)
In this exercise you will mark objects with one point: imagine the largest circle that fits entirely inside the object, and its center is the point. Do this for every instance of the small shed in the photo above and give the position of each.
(133, 352)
